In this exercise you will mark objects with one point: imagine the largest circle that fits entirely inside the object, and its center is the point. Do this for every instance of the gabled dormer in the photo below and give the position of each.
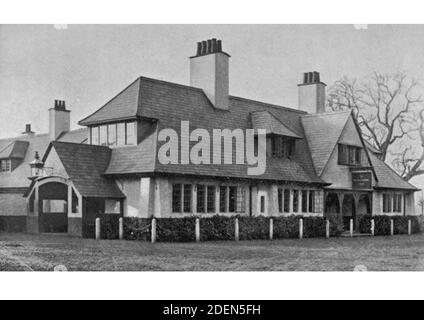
(281, 141)
(13, 155)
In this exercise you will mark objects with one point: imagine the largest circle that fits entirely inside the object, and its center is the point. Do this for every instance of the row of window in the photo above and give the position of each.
(306, 205)
(282, 147)
(349, 155)
(231, 198)
(115, 134)
(392, 202)
(5, 165)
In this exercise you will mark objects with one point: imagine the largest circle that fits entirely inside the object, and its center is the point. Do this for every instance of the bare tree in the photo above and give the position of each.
(390, 113)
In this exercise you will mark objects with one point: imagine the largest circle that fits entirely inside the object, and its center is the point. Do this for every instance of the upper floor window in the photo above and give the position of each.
(115, 134)
(349, 155)
(5, 165)
(282, 147)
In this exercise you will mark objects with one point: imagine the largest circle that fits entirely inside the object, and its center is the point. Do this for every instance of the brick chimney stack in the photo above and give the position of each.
(28, 130)
(209, 70)
(312, 93)
(59, 119)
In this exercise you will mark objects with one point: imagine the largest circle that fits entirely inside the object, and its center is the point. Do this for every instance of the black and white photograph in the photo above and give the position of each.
(140, 147)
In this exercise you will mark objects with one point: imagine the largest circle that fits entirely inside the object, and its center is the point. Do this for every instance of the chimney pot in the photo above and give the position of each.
(199, 48)
(210, 46)
(214, 45)
(204, 47)
(218, 46)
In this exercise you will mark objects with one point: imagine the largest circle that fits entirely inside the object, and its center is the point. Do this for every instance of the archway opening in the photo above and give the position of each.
(53, 207)
(364, 205)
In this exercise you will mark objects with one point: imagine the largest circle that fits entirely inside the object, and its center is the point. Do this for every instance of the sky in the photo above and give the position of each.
(86, 65)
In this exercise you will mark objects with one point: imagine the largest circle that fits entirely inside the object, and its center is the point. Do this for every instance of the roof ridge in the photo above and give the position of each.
(171, 83)
(80, 144)
(270, 105)
(310, 115)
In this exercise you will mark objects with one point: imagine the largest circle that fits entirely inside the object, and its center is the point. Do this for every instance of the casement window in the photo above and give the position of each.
(282, 147)
(286, 201)
(187, 198)
(111, 134)
(304, 200)
(295, 200)
(232, 199)
(103, 135)
(205, 198)
(387, 202)
(181, 198)
(397, 203)
(210, 199)
(5, 165)
(349, 155)
(112, 206)
(232, 194)
(262, 199)
(115, 134)
(94, 132)
(311, 207)
(131, 138)
(280, 200)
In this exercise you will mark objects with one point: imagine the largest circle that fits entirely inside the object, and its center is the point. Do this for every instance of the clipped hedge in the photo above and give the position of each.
(313, 227)
(253, 228)
(382, 224)
(217, 228)
(137, 229)
(286, 227)
(109, 226)
(176, 229)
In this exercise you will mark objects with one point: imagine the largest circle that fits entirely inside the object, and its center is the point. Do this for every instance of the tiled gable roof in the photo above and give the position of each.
(172, 103)
(85, 165)
(322, 132)
(387, 177)
(265, 120)
(18, 178)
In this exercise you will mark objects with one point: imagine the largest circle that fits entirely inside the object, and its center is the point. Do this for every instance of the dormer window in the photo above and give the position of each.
(5, 165)
(350, 155)
(114, 134)
(282, 147)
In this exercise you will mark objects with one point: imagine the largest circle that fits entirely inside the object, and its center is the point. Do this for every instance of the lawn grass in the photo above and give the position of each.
(23, 252)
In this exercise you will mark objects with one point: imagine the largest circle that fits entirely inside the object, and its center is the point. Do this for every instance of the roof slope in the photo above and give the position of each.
(123, 106)
(85, 165)
(265, 120)
(15, 150)
(18, 178)
(387, 177)
(322, 132)
(172, 103)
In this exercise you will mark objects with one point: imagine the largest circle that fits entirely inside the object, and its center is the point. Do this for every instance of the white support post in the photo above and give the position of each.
(271, 229)
(409, 227)
(300, 228)
(197, 230)
(392, 227)
(98, 229)
(236, 229)
(121, 228)
(153, 235)
(372, 227)
(327, 229)
(351, 227)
